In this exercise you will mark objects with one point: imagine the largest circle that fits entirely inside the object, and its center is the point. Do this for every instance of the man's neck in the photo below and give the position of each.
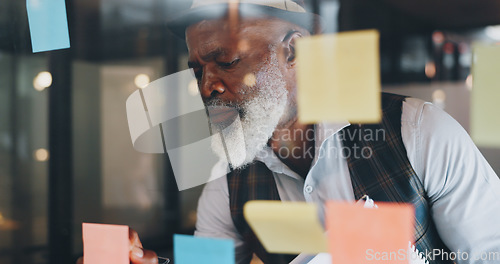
(294, 146)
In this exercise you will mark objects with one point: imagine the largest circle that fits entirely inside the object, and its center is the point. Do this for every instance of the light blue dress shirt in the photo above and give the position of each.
(463, 189)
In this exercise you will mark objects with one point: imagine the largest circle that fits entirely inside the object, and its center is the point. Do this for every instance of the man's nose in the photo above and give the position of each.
(211, 85)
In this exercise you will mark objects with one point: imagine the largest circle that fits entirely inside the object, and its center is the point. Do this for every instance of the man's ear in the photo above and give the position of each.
(289, 47)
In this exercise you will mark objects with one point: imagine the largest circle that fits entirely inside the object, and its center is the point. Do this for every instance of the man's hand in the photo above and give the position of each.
(137, 254)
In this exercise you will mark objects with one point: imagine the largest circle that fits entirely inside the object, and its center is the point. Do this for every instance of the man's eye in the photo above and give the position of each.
(229, 64)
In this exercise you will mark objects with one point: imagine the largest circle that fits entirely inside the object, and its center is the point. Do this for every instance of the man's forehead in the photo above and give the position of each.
(208, 37)
(220, 30)
(242, 24)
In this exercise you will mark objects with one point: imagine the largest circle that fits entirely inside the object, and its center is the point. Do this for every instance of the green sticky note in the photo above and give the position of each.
(485, 109)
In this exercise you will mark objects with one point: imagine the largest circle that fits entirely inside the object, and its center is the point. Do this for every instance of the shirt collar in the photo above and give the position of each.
(325, 130)
(322, 132)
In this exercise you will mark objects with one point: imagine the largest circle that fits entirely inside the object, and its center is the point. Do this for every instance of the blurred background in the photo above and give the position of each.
(65, 151)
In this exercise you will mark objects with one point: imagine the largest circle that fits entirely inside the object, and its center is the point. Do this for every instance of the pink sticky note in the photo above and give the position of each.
(364, 235)
(105, 244)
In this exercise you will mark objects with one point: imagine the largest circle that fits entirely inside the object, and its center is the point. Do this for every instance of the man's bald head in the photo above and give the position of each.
(245, 46)
(266, 28)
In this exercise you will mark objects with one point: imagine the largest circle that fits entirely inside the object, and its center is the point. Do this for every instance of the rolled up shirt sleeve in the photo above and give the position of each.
(463, 189)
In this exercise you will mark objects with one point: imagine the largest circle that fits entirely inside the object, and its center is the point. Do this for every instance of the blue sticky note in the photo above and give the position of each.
(190, 249)
(48, 24)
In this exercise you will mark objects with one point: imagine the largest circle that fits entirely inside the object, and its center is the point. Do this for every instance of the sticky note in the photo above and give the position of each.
(104, 244)
(286, 227)
(485, 124)
(190, 249)
(48, 24)
(338, 77)
(367, 235)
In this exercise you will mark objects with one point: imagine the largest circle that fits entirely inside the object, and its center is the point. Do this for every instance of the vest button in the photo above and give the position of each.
(309, 189)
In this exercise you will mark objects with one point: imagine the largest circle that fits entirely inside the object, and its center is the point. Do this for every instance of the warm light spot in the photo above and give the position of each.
(192, 218)
(243, 45)
(41, 155)
(438, 37)
(249, 80)
(468, 82)
(7, 224)
(193, 88)
(256, 259)
(141, 80)
(438, 96)
(430, 69)
(42, 80)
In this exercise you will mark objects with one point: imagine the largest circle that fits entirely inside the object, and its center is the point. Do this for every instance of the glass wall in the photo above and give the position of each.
(118, 46)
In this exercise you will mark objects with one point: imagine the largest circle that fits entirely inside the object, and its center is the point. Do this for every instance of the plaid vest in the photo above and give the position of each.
(386, 175)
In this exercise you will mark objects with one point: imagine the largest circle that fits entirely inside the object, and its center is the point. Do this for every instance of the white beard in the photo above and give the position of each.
(245, 138)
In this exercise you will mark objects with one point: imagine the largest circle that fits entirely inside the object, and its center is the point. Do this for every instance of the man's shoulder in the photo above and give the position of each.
(430, 121)
(410, 108)
(413, 109)
(416, 111)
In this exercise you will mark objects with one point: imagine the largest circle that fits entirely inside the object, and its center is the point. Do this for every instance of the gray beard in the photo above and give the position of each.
(240, 142)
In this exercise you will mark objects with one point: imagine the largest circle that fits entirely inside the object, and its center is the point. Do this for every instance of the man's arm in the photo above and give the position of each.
(463, 189)
(214, 217)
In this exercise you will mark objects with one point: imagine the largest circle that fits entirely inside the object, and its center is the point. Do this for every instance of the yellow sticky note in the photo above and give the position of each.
(286, 227)
(485, 109)
(338, 77)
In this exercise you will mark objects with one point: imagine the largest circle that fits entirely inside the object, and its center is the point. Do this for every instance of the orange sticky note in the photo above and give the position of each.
(105, 244)
(366, 235)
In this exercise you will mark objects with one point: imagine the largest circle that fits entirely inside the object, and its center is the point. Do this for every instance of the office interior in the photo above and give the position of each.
(65, 151)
